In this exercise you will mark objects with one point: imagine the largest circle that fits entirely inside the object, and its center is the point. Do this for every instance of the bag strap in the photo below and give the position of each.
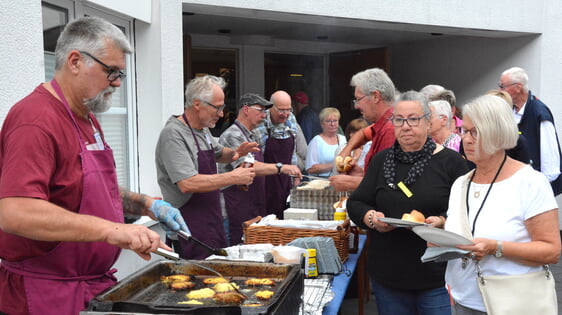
(464, 224)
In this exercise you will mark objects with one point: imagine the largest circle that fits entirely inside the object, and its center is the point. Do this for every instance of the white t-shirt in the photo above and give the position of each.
(320, 152)
(511, 201)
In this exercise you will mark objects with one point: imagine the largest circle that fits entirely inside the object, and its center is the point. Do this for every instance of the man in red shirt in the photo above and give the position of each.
(61, 209)
(374, 96)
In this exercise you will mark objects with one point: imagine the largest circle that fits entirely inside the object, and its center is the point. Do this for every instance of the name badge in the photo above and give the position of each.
(99, 142)
(405, 189)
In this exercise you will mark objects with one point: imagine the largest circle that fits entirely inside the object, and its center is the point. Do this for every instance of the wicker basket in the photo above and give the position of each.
(281, 236)
(323, 200)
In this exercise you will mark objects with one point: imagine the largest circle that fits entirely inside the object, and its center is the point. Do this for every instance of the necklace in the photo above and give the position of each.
(477, 192)
(487, 193)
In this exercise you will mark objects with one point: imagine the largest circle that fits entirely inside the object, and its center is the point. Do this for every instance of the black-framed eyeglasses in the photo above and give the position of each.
(473, 132)
(112, 74)
(357, 100)
(218, 108)
(331, 121)
(504, 86)
(411, 121)
(283, 111)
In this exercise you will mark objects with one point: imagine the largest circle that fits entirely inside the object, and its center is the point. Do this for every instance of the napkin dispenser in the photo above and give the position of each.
(300, 214)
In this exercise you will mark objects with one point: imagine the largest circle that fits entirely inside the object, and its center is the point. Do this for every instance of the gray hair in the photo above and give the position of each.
(415, 97)
(327, 111)
(374, 79)
(90, 34)
(518, 75)
(442, 108)
(431, 90)
(201, 88)
(445, 95)
(493, 119)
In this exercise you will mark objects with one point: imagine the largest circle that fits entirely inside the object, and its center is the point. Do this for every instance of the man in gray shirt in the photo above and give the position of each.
(186, 157)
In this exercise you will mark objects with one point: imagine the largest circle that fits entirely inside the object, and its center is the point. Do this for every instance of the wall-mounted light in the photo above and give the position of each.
(295, 75)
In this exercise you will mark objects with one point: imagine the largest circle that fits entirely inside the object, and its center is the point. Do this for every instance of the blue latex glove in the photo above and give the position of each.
(169, 217)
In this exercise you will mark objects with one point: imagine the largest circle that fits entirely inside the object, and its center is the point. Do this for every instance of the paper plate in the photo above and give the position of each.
(399, 223)
(441, 237)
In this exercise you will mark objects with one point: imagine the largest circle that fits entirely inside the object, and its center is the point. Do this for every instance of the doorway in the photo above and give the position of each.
(295, 73)
(220, 63)
(342, 66)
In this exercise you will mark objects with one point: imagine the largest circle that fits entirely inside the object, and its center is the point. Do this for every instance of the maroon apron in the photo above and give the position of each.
(244, 205)
(69, 276)
(278, 187)
(202, 211)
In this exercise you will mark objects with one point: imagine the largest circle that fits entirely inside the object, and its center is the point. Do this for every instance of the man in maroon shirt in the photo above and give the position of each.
(61, 209)
(374, 96)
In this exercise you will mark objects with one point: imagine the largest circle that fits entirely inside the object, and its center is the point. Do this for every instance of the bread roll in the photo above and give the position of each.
(339, 163)
(343, 165)
(414, 216)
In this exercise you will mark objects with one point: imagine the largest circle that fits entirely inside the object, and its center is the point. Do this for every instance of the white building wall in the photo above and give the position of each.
(21, 52)
(159, 67)
(468, 66)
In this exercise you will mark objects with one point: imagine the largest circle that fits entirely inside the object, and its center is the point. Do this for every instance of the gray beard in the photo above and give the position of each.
(99, 103)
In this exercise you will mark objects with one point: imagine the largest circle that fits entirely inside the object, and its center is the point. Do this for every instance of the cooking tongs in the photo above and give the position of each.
(174, 256)
(215, 251)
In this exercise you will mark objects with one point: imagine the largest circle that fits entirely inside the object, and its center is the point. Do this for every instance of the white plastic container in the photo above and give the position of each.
(287, 254)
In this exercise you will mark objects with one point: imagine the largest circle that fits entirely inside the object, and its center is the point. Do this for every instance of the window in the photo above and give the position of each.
(118, 123)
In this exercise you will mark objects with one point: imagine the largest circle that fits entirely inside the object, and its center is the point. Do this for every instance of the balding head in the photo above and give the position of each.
(282, 108)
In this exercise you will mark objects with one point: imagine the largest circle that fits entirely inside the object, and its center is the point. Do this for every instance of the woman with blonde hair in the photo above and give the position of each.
(511, 236)
(521, 150)
(322, 148)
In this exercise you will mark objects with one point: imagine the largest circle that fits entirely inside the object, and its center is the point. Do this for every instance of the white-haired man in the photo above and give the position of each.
(186, 157)
(536, 122)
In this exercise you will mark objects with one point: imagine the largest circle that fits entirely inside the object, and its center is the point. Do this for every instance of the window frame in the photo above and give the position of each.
(77, 8)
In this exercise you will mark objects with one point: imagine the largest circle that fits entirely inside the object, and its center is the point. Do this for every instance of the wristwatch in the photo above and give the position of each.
(499, 249)
(279, 166)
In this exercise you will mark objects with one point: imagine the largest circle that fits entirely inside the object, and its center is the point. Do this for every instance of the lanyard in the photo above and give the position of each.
(487, 193)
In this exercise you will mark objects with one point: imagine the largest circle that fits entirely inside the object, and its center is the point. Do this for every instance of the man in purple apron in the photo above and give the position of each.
(61, 208)
(278, 136)
(186, 157)
(245, 204)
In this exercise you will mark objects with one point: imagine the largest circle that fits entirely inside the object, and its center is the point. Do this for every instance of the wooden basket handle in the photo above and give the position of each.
(246, 224)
